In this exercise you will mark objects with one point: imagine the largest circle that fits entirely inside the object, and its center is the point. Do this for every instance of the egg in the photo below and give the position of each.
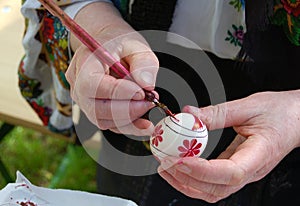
(182, 136)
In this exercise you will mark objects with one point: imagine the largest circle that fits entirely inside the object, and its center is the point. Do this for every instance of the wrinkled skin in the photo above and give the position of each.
(268, 128)
(108, 101)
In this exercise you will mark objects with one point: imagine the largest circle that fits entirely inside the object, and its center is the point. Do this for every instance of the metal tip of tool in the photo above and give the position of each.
(164, 108)
(151, 97)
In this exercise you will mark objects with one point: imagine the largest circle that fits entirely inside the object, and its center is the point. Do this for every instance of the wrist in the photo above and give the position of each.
(102, 21)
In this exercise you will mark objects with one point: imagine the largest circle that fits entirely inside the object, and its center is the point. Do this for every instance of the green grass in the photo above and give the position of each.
(40, 159)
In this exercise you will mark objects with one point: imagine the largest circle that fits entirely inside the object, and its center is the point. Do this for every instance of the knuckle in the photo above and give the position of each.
(223, 191)
(102, 128)
(218, 191)
(73, 95)
(238, 177)
(220, 112)
(103, 124)
(208, 119)
(211, 198)
(135, 111)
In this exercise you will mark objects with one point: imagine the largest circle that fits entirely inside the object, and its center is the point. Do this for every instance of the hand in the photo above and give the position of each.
(109, 102)
(268, 128)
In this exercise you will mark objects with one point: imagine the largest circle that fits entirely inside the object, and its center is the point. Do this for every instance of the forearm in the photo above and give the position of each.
(97, 19)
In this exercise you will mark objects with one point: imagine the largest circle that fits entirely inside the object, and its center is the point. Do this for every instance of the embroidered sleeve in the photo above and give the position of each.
(287, 15)
(42, 70)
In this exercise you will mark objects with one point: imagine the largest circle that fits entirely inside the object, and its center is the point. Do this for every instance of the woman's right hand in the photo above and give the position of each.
(109, 102)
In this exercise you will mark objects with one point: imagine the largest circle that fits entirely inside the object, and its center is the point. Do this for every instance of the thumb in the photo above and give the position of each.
(223, 115)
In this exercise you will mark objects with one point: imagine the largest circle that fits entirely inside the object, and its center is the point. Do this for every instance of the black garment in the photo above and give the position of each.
(154, 14)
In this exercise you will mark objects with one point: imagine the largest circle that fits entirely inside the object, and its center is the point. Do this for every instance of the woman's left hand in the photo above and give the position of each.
(268, 128)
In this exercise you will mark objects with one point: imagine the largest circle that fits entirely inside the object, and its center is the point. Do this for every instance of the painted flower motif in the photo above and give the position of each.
(157, 135)
(236, 36)
(189, 148)
(292, 7)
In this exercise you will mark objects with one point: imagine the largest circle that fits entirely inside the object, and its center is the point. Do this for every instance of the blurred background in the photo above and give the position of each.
(25, 146)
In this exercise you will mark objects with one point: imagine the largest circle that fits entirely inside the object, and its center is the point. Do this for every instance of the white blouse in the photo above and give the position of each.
(217, 26)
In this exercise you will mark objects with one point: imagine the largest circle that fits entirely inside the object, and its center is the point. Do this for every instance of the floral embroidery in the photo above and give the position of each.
(55, 38)
(236, 37)
(47, 29)
(189, 148)
(238, 4)
(287, 15)
(30, 88)
(292, 7)
(157, 135)
(43, 112)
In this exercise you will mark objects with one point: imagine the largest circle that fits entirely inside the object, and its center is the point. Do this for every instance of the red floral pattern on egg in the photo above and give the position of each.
(157, 135)
(189, 148)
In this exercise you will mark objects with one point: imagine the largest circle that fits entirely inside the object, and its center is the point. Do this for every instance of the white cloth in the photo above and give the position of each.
(206, 23)
(24, 193)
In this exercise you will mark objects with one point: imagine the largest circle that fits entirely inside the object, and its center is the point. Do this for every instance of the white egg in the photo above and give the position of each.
(185, 136)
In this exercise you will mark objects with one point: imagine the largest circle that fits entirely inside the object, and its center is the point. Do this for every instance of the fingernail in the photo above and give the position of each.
(183, 168)
(180, 161)
(147, 77)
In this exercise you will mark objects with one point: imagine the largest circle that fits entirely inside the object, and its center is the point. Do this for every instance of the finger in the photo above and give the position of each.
(92, 82)
(226, 114)
(118, 123)
(110, 124)
(118, 110)
(143, 63)
(139, 127)
(218, 190)
(218, 171)
(188, 191)
(97, 110)
(238, 170)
